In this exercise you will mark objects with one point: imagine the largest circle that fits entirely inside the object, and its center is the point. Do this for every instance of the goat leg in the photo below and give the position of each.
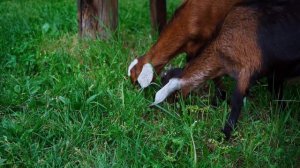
(242, 87)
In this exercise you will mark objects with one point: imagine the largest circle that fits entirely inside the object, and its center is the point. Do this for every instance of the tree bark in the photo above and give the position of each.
(158, 14)
(97, 18)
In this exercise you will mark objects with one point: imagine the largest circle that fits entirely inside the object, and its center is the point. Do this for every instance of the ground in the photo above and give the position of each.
(66, 102)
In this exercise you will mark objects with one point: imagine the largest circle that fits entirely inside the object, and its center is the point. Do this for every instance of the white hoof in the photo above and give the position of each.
(146, 76)
(173, 85)
(132, 64)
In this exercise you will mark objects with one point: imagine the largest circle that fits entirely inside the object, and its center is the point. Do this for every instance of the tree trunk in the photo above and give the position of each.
(97, 18)
(158, 14)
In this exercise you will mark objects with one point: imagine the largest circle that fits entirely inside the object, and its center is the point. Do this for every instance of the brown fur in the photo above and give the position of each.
(193, 24)
(234, 52)
(255, 41)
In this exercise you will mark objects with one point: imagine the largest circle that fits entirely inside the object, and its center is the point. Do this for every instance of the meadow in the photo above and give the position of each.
(66, 102)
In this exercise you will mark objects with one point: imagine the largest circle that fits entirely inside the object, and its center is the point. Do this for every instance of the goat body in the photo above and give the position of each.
(254, 41)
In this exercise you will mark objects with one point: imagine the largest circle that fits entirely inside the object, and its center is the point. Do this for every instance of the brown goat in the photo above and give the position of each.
(254, 41)
(193, 24)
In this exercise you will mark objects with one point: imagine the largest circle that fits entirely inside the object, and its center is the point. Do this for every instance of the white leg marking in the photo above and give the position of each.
(132, 64)
(173, 85)
(146, 76)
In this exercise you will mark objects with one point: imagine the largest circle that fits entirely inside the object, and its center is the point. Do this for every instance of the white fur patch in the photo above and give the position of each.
(132, 64)
(146, 76)
(173, 85)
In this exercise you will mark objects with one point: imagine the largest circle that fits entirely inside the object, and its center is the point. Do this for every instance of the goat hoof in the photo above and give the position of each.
(227, 132)
(172, 73)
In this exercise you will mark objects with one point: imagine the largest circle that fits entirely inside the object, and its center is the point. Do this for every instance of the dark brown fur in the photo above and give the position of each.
(240, 52)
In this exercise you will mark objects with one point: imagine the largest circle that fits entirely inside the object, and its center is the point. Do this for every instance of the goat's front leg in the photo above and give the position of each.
(242, 86)
(170, 42)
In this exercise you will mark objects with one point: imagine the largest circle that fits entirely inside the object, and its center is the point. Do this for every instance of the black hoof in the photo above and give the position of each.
(172, 73)
(227, 132)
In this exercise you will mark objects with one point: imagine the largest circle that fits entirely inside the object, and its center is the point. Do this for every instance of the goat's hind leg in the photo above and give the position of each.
(220, 93)
(200, 70)
(241, 89)
(196, 72)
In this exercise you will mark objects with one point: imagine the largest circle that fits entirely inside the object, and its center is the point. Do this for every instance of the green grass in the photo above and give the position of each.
(68, 103)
